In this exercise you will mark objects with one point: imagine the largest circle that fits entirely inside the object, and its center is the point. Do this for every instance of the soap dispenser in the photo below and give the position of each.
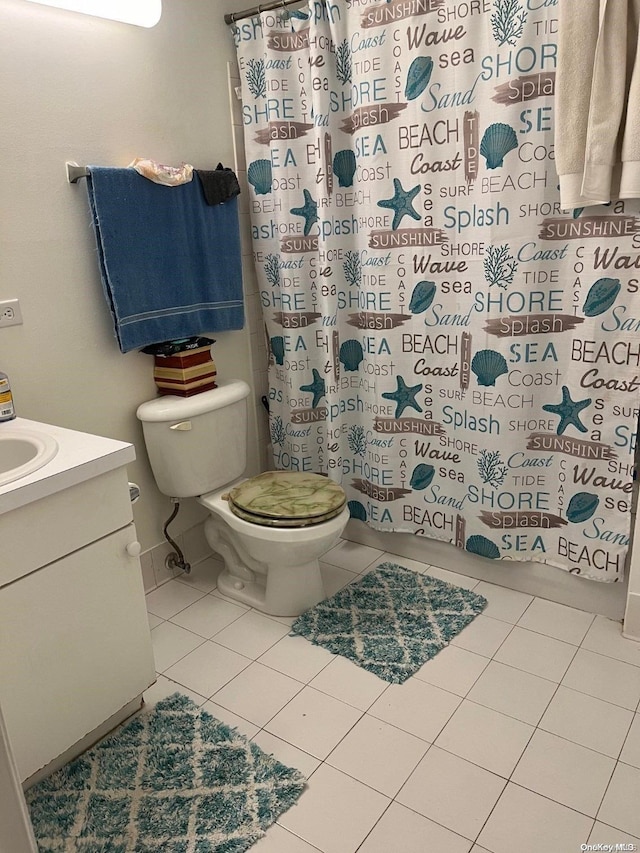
(7, 409)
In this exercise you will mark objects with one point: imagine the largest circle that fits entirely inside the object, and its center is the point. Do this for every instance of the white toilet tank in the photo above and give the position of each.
(197, 444)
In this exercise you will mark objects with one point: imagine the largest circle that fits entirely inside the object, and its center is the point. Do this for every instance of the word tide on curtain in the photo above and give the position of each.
(445, 341)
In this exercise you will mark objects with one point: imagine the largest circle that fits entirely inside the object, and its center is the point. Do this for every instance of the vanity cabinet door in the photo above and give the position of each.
(74, 648)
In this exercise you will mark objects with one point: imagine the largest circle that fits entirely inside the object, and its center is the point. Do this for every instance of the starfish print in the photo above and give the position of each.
(317, 388)
(309, 210)
(401, 203)
(404, 396)
(568, 410)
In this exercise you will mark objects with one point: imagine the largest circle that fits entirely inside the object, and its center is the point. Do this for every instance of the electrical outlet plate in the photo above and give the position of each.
(10, 313)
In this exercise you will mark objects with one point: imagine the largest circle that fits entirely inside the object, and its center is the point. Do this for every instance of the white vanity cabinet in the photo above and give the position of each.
(75, 648)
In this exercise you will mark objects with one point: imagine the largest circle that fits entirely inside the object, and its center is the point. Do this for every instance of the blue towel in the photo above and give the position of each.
(170, 263)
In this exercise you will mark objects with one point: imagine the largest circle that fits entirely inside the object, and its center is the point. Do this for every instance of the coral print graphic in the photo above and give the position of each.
(444, 340)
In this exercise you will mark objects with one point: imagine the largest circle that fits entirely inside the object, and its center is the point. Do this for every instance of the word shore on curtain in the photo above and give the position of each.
(445, 341)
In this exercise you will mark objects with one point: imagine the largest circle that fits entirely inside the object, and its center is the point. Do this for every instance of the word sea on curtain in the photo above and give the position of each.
(445, 341)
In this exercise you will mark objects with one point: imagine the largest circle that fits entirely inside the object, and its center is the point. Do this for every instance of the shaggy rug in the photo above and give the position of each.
(174, 780)
(391, 621)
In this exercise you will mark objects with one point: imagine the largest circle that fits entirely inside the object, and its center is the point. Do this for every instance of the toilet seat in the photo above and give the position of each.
(287, 499)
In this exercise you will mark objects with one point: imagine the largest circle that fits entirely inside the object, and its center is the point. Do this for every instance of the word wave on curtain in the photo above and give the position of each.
(445, 341)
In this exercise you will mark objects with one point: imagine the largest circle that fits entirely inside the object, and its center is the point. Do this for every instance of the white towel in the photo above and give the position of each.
(597, 128)
(601, 176)
(578, 25)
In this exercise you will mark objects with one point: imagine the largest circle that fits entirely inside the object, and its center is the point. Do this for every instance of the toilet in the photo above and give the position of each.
(271, 529)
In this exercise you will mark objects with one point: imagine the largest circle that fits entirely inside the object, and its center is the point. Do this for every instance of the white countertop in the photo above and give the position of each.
(80, 456)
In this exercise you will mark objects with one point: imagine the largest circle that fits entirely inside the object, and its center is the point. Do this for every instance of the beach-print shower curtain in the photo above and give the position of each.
(462, 355)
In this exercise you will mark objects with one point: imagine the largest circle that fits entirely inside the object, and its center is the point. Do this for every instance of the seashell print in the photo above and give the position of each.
(344, 166)
(422, 476)
(487, 364)
(422, 296)
(418, 77)
(601, 296)
(483, 547)
(497, 141)
(277, 348)
(581, 507)
(351, 355)
(357, 510)
(259, 176)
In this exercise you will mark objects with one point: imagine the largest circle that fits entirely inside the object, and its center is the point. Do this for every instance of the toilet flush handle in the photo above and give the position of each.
(182, 425)
(134, 549)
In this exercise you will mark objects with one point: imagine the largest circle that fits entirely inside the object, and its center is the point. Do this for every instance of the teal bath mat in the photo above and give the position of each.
(173, 780)
(391, 621)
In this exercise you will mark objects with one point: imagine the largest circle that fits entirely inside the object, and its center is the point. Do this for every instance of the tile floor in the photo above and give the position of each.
(522, 735)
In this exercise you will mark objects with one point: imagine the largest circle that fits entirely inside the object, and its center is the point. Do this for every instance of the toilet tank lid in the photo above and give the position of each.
(172, 408)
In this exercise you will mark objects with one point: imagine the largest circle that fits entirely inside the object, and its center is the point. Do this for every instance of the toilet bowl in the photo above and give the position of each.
(197, 448)
(274, 569)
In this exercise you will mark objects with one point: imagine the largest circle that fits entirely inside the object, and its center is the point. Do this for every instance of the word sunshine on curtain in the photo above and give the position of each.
(456, 350)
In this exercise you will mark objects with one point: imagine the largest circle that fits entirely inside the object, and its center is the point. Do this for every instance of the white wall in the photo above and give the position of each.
(94, 91)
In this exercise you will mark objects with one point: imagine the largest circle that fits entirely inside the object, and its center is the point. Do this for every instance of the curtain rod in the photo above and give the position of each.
(256, 10)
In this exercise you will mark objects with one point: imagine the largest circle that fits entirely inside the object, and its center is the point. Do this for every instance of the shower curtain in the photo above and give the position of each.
(445, 341)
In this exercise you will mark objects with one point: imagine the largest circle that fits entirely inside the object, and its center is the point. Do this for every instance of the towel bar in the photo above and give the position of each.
(75, 172)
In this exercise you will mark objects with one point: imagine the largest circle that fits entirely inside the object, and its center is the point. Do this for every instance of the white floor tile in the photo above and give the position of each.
(513, 692)
(556, 620)
(208, 615)
(164, 687)
(207, 668)
(230, 719)
(257, 693)
(588, 721)
(334, 578)
(620, 805)
(170, 598)
(380, 755)
(452, 792)
(605, 678)
(287, 753)
(343, 680)
(335, 813)
(603, 834)
(416, 707)
(605, 637)
(251, 635)
(528, 823)
(297, 657)
(154, 621)
(485, 737)
(537, 654)
(454, 578)
(351, 556)
(508, 605)
(170, 643)
(400, 828)
(314, 722)
(453, 669)
(280, 840)
(631, 750)
(484, 636)
(565, 772)
(204, 575)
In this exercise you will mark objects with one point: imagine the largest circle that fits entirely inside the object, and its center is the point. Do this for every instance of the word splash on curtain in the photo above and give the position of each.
(445, 341)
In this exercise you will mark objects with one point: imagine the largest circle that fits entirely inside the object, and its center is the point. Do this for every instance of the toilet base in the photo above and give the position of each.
(283, 591)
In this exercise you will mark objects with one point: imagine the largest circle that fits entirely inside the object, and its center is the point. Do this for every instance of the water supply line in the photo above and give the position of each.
(175, 560)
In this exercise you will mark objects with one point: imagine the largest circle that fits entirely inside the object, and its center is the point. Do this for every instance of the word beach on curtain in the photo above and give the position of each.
(445, 341)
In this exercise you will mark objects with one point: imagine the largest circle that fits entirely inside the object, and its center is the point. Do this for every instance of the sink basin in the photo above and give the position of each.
(23, 451)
